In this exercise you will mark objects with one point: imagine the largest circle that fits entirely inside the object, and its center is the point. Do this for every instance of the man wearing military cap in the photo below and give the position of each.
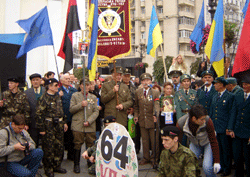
(146, 107)
(185, 97)
(33, 94)
(220, 112)
(176, 160)
(83, 128)
(232, 85)
(239, 129)
(206, 92)
(51, 123)
(116, 97)
(14, 102)
(175, 76)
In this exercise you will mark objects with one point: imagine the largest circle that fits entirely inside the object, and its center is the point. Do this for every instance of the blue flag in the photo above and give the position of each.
(38, 32)
(244, 10)
(197, 33)
(12, 38)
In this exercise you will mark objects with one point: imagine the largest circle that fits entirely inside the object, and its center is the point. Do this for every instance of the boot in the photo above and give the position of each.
(77, 161)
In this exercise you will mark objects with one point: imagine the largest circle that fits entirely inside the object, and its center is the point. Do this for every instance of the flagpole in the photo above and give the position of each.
(56, 63)
(115, 81)
(164, 64)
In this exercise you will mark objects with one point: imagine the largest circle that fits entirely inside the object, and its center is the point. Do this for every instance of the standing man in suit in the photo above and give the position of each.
(220, 112)
(206, 92)
(232, 85)
(33, 94)
(66, 92)
(185, 97)
(114, 106)
(146, 108)
(239, 129)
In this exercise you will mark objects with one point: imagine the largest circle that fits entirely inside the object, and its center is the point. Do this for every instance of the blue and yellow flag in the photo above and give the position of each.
(154, 35)
(214, 47)
(93, 25)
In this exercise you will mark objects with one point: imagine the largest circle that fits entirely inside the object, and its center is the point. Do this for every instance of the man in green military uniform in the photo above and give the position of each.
(185, 97)
(51, 124)
(14, 102)
(176, 160)
(114, 106)
(147, 107)
(232, 86)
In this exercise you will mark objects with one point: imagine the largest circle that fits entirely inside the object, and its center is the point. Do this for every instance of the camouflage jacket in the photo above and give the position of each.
(183, 163)
(49, 106)
(14, 105)
(92, 150)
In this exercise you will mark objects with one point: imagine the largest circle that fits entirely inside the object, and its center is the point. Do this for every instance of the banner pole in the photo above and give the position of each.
(164, 64)
(115, 82)
(56, 63)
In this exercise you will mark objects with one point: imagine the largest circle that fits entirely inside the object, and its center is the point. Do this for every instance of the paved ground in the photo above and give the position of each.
(69, 166)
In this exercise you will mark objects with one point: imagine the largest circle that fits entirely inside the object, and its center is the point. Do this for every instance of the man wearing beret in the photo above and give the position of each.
(116, 97)
(220, 112)
(185, 97)
(51, 123)
(206, 92)
(176, 160)
(33, 94)
(175, 76)
(239, 129)
(14, 102)
(146, 108)
(232, 86)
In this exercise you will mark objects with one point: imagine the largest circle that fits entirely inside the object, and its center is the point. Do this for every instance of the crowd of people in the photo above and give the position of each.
(176, 122)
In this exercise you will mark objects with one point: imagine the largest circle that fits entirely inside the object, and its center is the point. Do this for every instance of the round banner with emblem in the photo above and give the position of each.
(115, 153)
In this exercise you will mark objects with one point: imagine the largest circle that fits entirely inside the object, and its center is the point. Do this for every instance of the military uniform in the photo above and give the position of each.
(92, 152)
(205, 98)
(51, 120)
(14, 104)
(237, 89)
(145, 108)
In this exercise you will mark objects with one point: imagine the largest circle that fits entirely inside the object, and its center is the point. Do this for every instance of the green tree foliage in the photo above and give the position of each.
(78, 73)
(230, 33)
(195, 65)
(158, 72)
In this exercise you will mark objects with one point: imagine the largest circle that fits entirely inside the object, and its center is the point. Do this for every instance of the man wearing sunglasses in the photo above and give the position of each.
(51, 123)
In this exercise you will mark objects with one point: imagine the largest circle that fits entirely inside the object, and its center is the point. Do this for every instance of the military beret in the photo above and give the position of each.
(170, 131)
(35, 75)
(109, 119)
(185, 76)
(145, 76)
(13, 79)
(221, 80)
(232, 80)
(207, 72)
(119, 69)
(50, 81)
(127, 71)
(175, 73)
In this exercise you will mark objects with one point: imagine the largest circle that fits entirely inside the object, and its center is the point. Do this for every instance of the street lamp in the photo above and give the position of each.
(212, 4)
(141, 48)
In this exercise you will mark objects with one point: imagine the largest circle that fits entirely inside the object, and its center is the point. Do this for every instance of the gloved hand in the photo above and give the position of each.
(216, 167)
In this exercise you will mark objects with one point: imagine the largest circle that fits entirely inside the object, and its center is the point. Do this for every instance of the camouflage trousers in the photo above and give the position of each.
(91, 169)
(5, 121)
(52, 145)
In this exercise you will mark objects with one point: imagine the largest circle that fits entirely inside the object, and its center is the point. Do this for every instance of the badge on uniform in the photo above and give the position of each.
(150, 97)
(168, 118)
(192, 97)
(224, 101)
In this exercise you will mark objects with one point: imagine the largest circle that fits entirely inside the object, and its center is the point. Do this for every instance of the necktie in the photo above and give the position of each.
(175, 88)
(36, 90)
(206, 90)
(145, 93)
(186, 92)
(245, 96)
(219, 94)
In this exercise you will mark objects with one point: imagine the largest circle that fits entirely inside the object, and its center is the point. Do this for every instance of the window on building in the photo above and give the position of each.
(188, 47)
(186, 20)
(185, 33)
(143, 24)
(160, 10)
(162, 34)
(161, 24)
(143, 10)
(143, 35)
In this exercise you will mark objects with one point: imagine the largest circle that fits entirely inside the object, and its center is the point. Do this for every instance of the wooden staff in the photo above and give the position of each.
(117, 101)
(164, 64)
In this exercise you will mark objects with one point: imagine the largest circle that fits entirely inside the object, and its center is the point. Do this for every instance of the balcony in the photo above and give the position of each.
(186, 2)
(142, 28)
(187, 14)
(186, 26)
(142, 3)
(184, 40)
(132, 30)
(159, 2)
(143, 41)
(186, 53)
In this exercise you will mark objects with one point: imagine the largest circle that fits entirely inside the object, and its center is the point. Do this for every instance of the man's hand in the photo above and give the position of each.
(92, 159)
(1, 103)
(42, 133)
(116, 88)
(135, 119)
(26, 127)
(86, 124)
(155, 118)
(19, 147)
(84, 103)
(65, 127)
(100, 108)
(232, 134)
(85, 155)
(217, 168)
(119, 107)
(61, 93)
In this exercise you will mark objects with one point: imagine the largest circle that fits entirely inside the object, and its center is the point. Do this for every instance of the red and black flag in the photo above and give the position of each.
(72, 24)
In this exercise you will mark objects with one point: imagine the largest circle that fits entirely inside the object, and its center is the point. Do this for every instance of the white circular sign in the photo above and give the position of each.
(109, 21)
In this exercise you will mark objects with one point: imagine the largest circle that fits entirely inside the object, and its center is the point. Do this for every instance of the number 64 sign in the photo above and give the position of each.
(115, 154)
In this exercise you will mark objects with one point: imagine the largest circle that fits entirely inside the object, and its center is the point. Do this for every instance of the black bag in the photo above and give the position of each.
(3, 170)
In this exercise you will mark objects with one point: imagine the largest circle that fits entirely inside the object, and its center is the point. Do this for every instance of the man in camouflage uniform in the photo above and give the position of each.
(14, 102)
(91, 152)
(176, 160)
(51, 124)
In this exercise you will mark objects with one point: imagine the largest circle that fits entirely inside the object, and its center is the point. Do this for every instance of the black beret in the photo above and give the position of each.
(13, 79)
(109, 119)
(50, 81)
(170, 131)
(35, 75)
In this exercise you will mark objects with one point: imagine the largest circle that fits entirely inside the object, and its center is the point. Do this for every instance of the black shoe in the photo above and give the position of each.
(76, 168)
(226, 174)
(221, 171)
(51, 174)
(77, 161)
(60, 170)
(70, 157)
